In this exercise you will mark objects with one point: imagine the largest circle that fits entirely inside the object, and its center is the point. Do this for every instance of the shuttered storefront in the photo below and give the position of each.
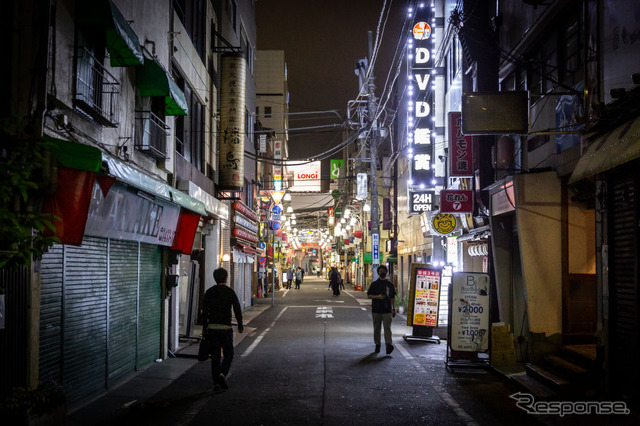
(623, 285)
(123, 308)
(149, 321)
(100, 313)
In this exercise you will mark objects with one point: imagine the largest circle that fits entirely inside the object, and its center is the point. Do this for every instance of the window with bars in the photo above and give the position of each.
(96, 90)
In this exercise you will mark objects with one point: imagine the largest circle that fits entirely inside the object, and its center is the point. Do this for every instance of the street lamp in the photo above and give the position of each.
(287, 196)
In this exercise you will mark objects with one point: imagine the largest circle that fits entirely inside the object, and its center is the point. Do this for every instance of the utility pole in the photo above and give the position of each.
(373, 149)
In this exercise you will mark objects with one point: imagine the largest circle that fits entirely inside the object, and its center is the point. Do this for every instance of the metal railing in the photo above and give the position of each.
(151, 134)
(97, 91)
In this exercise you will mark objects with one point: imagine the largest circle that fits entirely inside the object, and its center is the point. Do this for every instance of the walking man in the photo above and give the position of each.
(383, 307)
(334, 281)
(216, 305)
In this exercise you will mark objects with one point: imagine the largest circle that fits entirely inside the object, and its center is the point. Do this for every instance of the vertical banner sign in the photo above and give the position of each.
(336, 168)
(375, 250)
(277, 167)
(361, 186)
(263, 144)
(421, 113)
(424, 296)
(469, 320)
(460, 148)
(232, 110)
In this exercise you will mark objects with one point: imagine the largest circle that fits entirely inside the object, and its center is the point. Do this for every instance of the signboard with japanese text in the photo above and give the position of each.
(424, 295)
(420, 120)
(456, 201)
(469, 319)
(336, 168)
(375, 248)
(460, 148)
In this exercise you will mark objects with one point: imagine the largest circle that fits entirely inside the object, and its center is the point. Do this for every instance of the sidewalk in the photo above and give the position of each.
(150, 380)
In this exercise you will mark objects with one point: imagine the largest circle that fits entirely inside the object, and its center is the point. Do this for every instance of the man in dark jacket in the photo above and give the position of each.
(216, 305)
(383, 307)
(334, 281)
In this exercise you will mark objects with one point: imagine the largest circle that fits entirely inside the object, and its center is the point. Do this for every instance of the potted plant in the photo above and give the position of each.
(44, 405)
(401, 303)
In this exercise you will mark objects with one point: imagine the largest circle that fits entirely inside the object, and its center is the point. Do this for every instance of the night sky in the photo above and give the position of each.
(322, 41)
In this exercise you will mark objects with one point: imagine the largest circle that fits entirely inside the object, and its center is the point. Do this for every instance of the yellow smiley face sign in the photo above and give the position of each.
(444, 223)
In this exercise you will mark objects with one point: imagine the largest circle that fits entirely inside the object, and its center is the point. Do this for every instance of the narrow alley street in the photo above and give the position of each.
(309, 360)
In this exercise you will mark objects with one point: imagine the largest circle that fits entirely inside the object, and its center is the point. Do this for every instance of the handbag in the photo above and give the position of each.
(204, 349)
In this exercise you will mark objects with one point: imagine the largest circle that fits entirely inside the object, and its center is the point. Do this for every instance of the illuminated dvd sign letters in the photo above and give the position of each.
(420, 90)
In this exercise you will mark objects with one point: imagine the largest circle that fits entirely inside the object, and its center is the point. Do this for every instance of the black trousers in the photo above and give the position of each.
(220, 340)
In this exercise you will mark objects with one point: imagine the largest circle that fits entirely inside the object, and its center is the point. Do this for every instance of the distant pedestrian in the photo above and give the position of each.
(290, 276)
(216, 306)
(299, 274)
(342, 276)
(383, 307)
(334, 281)
(302, 276)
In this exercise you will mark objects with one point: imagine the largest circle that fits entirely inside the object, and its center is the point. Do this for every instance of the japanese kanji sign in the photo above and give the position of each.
(460, 148)
(456, 201)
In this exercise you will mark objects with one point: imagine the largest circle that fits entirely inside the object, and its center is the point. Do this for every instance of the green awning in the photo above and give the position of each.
(367, 258)
(122, 42)
(392, 259)
(75, 155)
(137, 179)
(154, 81)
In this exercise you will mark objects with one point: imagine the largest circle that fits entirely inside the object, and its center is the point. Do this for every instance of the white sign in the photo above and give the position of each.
(306, 177)
(469, 319)
(263, 143)
(361, 192)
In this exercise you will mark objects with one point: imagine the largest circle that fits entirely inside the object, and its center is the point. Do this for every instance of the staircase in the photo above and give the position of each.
(572, 374)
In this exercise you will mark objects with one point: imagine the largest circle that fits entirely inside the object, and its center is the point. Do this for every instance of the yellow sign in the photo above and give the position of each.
(276, 196)
(443, 223)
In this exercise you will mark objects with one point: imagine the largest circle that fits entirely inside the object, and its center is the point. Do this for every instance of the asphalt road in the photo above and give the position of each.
(309, 360)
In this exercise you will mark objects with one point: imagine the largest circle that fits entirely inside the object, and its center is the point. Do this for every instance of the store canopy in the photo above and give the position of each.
(75, 155)
(154, 81)
(78, 165)
(122, 42)
(367, 258)
(139, 180)
(609, 151)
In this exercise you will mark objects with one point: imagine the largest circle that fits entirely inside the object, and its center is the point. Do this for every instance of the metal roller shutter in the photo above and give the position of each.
(149, 319)
(123, 295)
(623, 273)
(85, 319)
(52, 277)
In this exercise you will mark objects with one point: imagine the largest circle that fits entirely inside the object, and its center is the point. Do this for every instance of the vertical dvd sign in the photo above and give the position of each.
(421, 91)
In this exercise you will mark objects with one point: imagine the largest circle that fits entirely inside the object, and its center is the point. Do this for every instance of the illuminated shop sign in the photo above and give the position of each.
(421, 201)
(420, 108)
(460, 148)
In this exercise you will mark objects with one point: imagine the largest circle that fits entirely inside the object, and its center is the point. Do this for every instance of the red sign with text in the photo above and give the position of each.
(456, 201)
(460, 148)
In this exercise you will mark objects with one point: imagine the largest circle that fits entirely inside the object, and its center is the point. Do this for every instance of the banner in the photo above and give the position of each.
(232, 110)
(456, 201)
(460, 148)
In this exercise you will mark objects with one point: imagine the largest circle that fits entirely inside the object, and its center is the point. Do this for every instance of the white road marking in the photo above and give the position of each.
(324, 312)
(457, 408)
(404, 351)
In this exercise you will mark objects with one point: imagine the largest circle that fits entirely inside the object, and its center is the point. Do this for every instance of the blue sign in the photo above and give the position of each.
(375, 244)
(262, 246)
(275, 225)
(276, 210)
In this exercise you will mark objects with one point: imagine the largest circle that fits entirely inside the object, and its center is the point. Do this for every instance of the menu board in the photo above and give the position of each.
(424, 293)
(469, 320)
